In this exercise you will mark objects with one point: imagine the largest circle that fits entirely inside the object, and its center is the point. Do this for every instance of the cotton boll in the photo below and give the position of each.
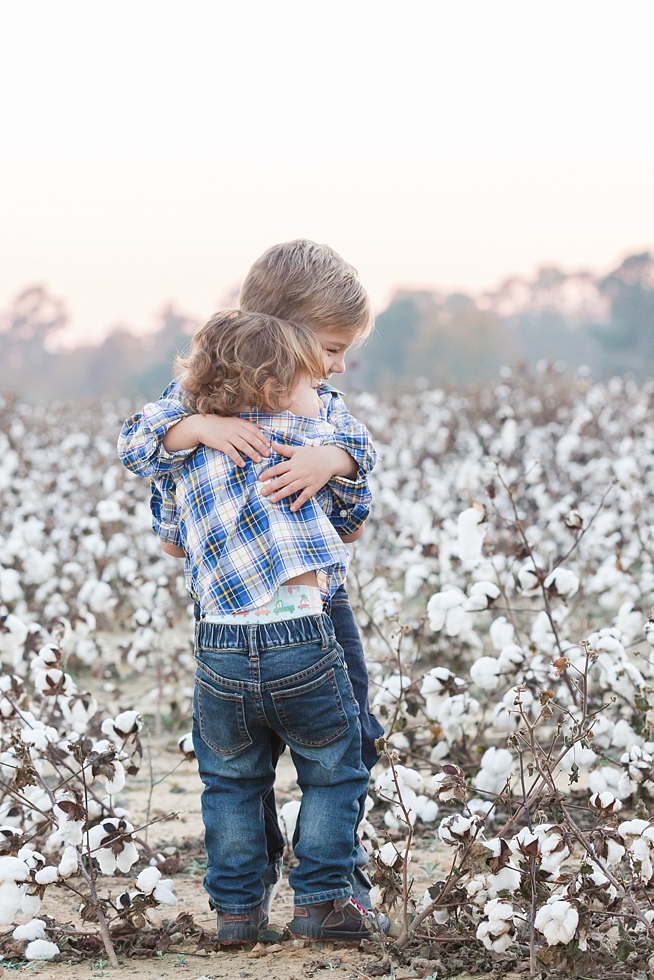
(288, 817)
(442, 603)
(440, 916)
(485, 673)
(456, 716)
(185, 744)
(10, 899)
(388, 854)
(127, 857)
(30, 904)
(148, 880)
(456, 828)
(69, 862)
(429, 811)
(557, 921)
(399, 741)
(117, 782)
(528, 578)
(496, 931)
(604, 779)
(496, 767)
(624, 737)
(605, 803)
(564, 582)
(511, 657)
(481, 594)
(41, 949)
(506, 880)
(502, 633)
(12, 869)
(46, 876)
(35, 929)
(471, 532)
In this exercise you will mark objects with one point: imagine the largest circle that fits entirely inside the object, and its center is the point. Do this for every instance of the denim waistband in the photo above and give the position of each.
(307, 629)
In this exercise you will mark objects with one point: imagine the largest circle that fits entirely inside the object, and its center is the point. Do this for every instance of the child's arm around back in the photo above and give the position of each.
(158, 439)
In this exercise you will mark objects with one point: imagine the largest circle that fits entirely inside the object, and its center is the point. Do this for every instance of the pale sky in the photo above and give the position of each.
(150, 151)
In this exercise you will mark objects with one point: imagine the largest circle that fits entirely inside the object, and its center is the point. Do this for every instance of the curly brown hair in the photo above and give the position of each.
(240, 361)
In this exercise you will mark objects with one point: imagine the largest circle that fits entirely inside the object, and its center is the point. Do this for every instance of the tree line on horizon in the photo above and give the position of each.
(570, 319)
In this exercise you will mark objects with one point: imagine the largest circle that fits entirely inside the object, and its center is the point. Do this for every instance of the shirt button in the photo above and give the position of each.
(343, 513)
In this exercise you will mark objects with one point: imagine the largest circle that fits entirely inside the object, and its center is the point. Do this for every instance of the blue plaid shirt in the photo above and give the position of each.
(239, 546)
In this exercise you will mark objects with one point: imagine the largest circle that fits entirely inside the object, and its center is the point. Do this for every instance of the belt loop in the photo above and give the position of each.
(253, 653)
(323, 632)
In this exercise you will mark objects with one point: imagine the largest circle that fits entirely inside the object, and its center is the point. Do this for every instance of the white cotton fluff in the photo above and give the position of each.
(69, 862)
(10, 899)
(12, 869)
(528, 578)
(115, 784)
(439, 915)
(446, 609)
(471, 532)
(502, 633)
(557, 921)
(30, 904)
(455, 828)
(41, 949)
(46, 876)
(150, 882)
(388, 854)
(35, 929)
(127, 722)
(485, 673)
(288, 817)
(496, 767)
(480, 595)
(496, 931)
(107, 860)
(564, 582)
(185, 744)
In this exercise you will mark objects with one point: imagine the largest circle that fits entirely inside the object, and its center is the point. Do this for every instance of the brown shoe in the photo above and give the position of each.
(242, 928)
(342, 920)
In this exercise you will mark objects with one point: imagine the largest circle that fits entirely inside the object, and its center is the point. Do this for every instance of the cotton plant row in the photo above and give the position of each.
(505, 597)
(64, 762)
(75, 537)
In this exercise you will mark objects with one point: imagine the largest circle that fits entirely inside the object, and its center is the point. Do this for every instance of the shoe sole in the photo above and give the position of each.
(239, 934)
(318, 934)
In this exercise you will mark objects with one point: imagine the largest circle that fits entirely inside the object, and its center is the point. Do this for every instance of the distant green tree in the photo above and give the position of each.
(629, 339)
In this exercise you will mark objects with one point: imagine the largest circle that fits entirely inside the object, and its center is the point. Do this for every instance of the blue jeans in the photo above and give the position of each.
(347, 635)
(287, 680)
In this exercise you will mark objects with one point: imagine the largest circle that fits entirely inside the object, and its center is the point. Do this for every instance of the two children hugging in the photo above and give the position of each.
(259, 477)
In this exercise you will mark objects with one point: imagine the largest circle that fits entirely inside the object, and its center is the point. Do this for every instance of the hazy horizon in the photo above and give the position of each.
(152, 152)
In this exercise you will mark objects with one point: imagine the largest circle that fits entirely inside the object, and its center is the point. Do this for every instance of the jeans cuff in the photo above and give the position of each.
(327, 896)
(233, 909)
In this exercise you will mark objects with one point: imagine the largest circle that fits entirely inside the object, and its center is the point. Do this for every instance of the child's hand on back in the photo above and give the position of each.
(305, 471)
(230, 435)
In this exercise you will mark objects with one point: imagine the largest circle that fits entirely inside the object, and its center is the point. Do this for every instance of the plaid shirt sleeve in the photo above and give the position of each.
(163, 506)
(140, 444)
(355, 439)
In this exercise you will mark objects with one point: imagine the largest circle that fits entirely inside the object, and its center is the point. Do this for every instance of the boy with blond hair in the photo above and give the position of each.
(310, 284)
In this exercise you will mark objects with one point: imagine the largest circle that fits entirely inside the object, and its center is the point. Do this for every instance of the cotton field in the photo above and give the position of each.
(503, 588)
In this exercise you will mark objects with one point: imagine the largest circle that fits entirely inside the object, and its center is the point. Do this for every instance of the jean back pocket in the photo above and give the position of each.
(312, 714)
(221, 717)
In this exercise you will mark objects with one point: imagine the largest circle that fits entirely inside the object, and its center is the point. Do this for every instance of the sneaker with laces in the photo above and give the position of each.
(240, 928)
(341, 920)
